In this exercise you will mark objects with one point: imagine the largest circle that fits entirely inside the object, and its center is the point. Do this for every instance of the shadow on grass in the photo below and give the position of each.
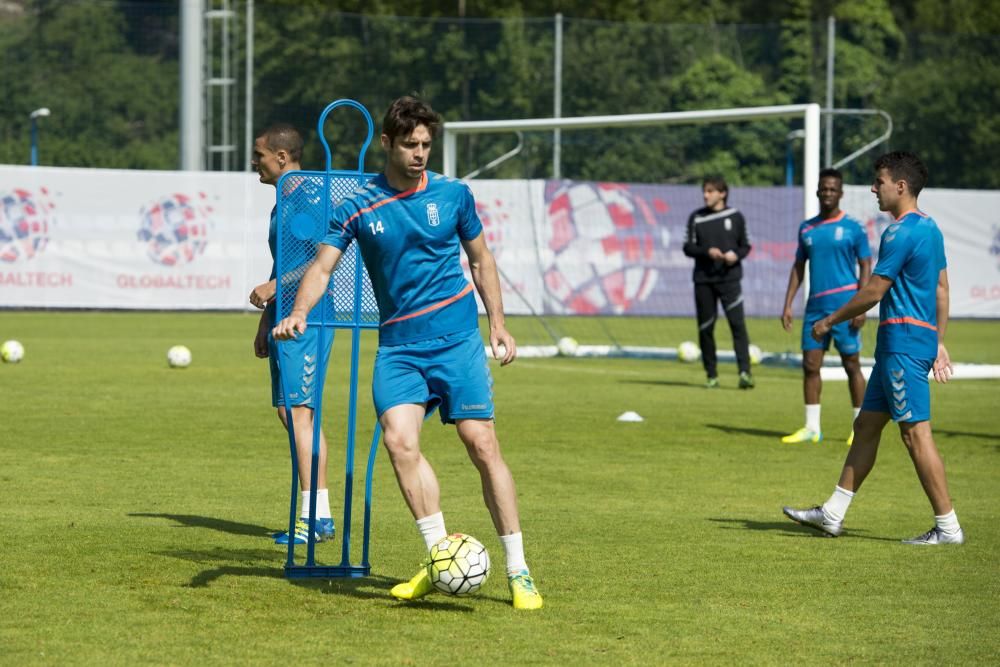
(727, 428)
(221, 525)
(663, 383)
(790, 528)
(967, 434)
(376, 587)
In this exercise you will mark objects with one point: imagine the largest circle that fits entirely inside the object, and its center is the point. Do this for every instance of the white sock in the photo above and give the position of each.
(857, 411)
(836, 507)
(513, 548)
(432, 529)
(322, 504)
(812, 417)
(947, 523)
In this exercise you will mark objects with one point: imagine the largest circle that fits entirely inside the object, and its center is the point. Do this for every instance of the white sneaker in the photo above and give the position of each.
(937, 536)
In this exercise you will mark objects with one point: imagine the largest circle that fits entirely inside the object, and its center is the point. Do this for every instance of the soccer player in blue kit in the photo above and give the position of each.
(911, 282)
(836, 247)
(409, 223)
(278, 150)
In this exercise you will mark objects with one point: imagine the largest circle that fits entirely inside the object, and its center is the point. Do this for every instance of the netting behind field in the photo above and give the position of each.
(306, 201)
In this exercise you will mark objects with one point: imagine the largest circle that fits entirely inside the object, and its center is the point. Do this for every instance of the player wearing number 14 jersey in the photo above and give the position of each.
(410, 224)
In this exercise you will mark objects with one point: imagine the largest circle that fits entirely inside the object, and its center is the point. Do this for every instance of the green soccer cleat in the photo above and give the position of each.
(746, 381)
(802, 435)
(713, 383)
(523, 592)
(414, 589)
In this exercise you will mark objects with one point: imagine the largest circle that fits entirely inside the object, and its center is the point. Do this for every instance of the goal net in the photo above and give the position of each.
(598, 256)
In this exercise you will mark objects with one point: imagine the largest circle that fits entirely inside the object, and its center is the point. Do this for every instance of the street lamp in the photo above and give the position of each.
(35, 115)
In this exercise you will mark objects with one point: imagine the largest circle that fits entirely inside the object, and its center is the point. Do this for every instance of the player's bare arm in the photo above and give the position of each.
(864, 275)
(483, 267)
(942, 364)
(861, 302)
(260, 340)
(795, 277)
(263, 293)
(311, 289)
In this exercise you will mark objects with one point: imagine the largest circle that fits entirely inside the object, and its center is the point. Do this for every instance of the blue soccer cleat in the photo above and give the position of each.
(325, 530)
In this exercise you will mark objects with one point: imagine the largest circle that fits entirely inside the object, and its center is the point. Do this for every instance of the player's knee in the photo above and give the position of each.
(402, 445)
(811, 367)
(483, 448)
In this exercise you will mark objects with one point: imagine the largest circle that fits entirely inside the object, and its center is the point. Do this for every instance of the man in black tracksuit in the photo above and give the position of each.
(717, 239)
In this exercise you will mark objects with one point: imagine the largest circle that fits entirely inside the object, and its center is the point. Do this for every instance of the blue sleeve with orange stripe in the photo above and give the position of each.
(894, 251)
(343, 226)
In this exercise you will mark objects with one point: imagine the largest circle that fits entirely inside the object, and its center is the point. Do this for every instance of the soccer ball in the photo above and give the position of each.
(567, 346)
(11, 352)
(688, 352)
(755, 354)
(179, 357)
(459, 565)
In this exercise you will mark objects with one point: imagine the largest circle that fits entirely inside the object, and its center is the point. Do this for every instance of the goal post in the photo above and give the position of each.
(810, 113)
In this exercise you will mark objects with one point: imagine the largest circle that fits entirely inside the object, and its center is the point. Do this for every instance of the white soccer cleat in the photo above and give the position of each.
(936, 536)
(815, 517)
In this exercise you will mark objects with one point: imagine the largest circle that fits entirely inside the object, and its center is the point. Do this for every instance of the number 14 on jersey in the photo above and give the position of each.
(376, 227)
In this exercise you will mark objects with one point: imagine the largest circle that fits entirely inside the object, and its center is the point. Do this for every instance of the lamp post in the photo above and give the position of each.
(35, 115)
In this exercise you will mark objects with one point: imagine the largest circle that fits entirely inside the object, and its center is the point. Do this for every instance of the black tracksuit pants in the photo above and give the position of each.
(730, 295)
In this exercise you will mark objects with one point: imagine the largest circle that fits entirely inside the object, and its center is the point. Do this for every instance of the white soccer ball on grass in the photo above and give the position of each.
(567, 346)
(459, 565)
(179, 356)
(11, 352)
(688, 352)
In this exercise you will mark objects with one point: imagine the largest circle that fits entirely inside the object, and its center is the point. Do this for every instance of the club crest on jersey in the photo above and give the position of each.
(839, 234)
(433, 219)
(729, 224)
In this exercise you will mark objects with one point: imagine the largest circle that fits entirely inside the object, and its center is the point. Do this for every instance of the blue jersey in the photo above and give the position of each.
(410, 244)
(833, 247)
(911, 255)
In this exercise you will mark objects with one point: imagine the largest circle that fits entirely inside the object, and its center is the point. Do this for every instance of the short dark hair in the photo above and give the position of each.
(282, 136)
(904, 166)
(830, 172)
(405, 114)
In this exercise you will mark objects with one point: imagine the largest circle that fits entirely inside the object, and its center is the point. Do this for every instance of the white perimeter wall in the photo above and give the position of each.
(71, 238)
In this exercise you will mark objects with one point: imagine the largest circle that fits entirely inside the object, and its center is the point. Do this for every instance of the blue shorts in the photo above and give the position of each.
(845, 337)
(450, 371)
(302, 363)
(899, 385)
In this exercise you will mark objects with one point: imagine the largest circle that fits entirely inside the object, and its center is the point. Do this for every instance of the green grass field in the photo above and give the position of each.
(137, 503)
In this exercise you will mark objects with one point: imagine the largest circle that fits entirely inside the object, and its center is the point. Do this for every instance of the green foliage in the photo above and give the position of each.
(109, 72)
(138, 503)
(110, 107)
